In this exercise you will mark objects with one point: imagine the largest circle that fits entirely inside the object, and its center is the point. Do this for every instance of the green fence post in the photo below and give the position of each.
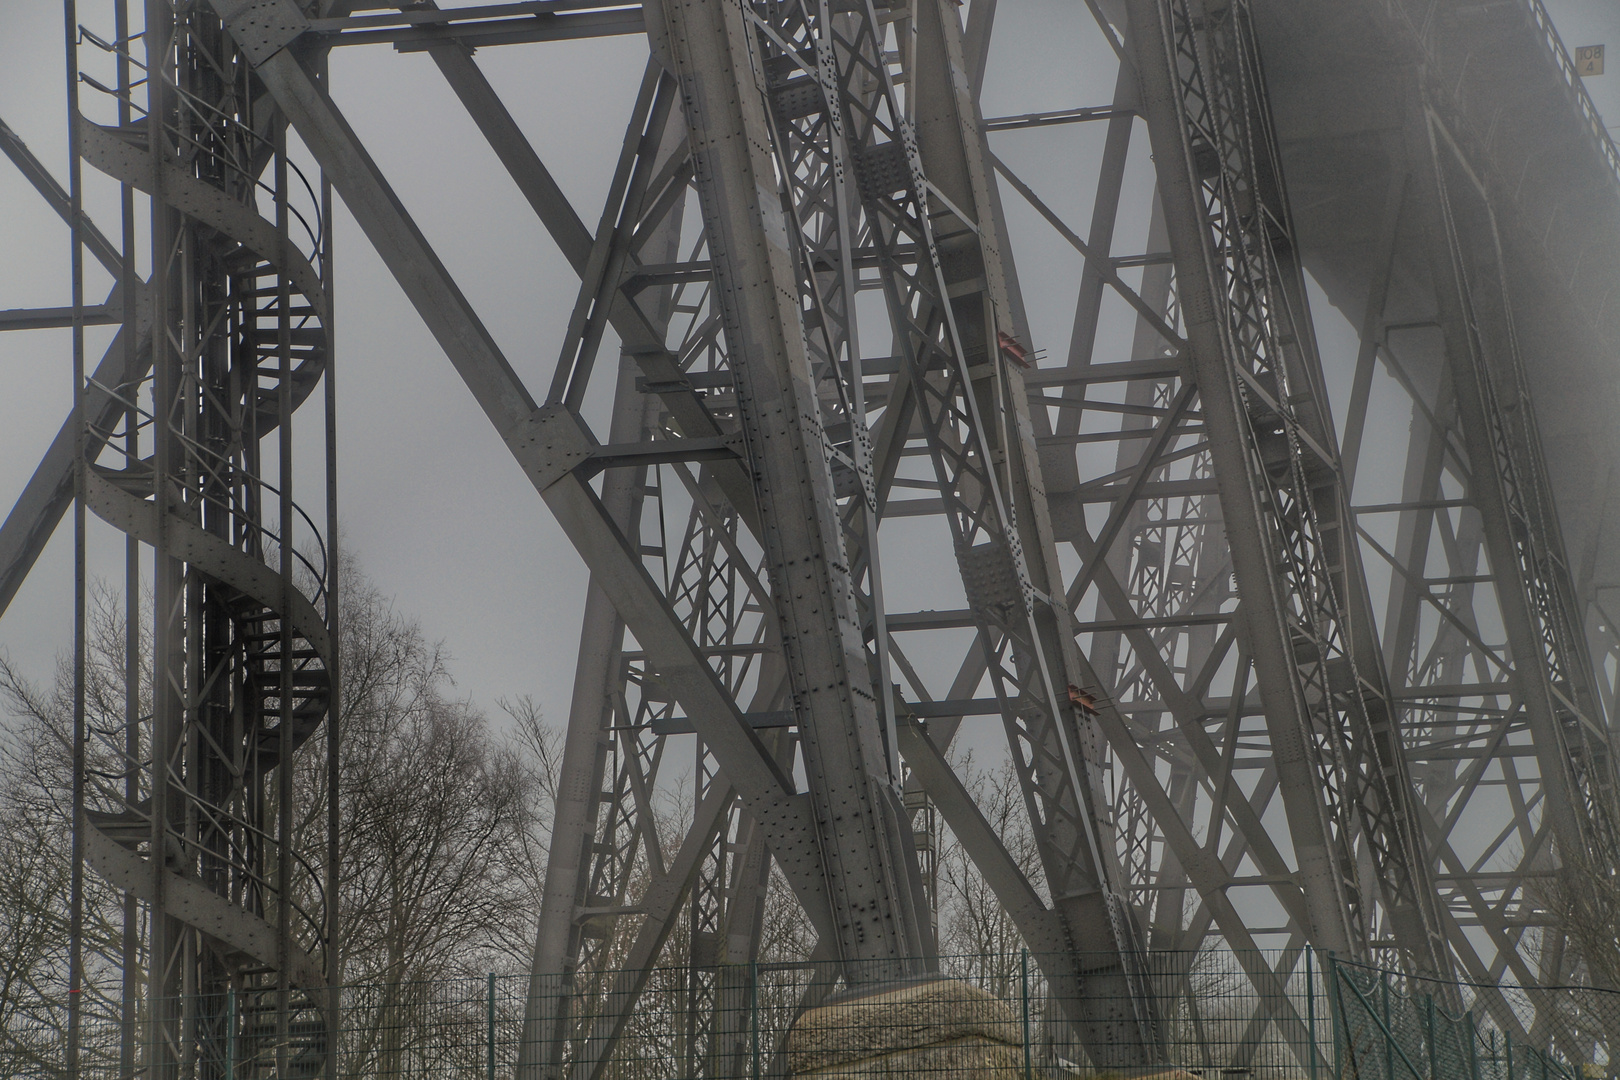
(1434, 1051)
(753, 1012)
(1389, 1030)
(1335, 1004)
(230, 1033)
(1310, 1005)
(1023, 977)
(491, 1044)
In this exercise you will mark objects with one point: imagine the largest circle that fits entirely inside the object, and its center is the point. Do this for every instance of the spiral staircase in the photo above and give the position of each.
(244, 313)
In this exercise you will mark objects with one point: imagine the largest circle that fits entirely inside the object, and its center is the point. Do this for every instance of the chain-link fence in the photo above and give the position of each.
(1218, 1015)
(1391, 1027)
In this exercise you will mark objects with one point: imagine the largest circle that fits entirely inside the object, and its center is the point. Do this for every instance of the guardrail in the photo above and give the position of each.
(1575, 86)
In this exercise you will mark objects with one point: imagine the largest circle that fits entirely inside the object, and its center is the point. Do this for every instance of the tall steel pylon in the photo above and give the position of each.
(1245, 705)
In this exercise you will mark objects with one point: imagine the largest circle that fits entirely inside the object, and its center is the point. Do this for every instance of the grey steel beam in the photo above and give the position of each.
(59, 318)
(576, 243)
(852, 773)
(513, 150)
(44, 499)
(548, 443)
(1037, 923)
(1371, 325)
(34, 170)
(502, 24)
(332, 22)
(39, 508)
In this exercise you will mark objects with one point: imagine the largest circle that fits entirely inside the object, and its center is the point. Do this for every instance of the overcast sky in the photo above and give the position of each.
(435, 507)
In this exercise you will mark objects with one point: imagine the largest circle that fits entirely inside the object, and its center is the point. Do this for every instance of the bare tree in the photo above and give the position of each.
(442, 839)
(974, 929)
(1582, 898)
(435, 808)
(444, 827)
(35, 839)
(33, 933)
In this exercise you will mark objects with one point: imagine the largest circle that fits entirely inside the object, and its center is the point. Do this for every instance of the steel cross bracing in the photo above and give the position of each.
(928, 245)
(1083, 385)
(1505, 724)
(1157, 716)
(1522, 535)
(806, 162)
(1189, 515)
(1314, 645)
(1175, 654)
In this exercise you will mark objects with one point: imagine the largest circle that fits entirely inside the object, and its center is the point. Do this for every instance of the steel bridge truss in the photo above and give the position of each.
(1163, 586)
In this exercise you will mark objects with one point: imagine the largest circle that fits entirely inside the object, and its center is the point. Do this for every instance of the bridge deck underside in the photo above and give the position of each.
(1369, 106)
(1338, 75)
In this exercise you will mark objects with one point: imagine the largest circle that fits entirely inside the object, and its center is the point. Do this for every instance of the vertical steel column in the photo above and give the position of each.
(851, 773)
(1553, 676)
(168, 677)
(129, 991)
(75, 959)
(1314, 645)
